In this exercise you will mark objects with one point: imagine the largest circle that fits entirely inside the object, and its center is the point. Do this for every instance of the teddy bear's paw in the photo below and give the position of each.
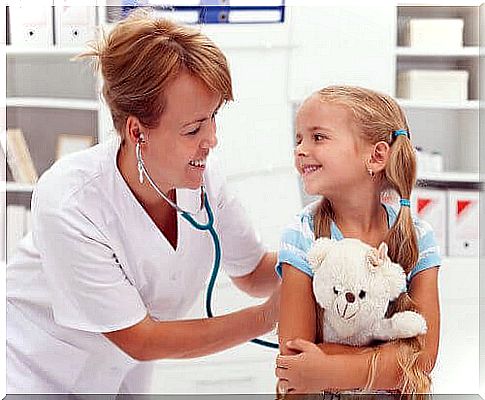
(408, 324)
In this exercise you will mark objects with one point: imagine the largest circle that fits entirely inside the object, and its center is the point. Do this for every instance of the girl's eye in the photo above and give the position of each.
(318, 137)
(297, 141)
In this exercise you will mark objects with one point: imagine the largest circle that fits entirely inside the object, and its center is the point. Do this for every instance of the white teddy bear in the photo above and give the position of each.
(354, 283)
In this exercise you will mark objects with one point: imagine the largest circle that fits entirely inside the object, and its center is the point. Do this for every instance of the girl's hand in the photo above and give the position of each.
(304, 372)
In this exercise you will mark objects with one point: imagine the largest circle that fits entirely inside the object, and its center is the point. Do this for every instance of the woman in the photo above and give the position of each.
(99, 286)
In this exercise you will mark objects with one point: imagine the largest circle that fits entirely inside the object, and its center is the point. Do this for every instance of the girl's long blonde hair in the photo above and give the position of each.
(377, 116)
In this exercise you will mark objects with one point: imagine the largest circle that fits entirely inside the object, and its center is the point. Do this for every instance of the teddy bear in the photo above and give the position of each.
(354, 284)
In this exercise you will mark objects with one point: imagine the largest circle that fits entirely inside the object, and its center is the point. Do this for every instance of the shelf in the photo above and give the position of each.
(445, 105)
(450, 180)
(469, 51)
(40, 51)
(42, 102)
(16, 187)
(468, 177)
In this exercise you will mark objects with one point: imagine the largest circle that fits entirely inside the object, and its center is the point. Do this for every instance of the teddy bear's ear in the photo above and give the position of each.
(319, 251)
(396, 277)
(382, 252)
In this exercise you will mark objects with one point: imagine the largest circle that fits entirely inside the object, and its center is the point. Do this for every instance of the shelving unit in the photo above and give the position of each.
(446, 126)
(43, 101)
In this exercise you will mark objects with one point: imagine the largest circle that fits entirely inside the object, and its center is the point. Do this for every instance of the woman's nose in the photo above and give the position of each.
(210, 141)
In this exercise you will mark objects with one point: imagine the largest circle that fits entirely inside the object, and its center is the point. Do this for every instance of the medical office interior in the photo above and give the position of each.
(426, 55)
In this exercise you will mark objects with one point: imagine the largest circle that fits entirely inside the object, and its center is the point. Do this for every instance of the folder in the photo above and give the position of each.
(74, 25)
(31, 26)
(19, 159)
(15, 228)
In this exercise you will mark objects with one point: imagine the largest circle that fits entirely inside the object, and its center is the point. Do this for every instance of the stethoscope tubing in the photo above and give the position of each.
(208, 226)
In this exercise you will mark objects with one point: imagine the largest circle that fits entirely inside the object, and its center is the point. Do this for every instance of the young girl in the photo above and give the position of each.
(352, 145)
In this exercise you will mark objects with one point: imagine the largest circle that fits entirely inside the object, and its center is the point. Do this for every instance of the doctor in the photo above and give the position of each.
(100, 286)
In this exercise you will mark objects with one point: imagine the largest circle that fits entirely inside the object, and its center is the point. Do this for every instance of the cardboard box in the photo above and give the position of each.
(434, 33)
(440, 85)
(430, 205)
(463, 220)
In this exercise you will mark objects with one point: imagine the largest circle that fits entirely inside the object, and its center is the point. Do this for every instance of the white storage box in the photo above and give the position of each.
(31, 26)
(463, 220)
(74, 25)
(434, 33)
(430, 206)
(440, 85)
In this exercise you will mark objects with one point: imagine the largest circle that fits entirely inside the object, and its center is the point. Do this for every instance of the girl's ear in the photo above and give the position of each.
(379, 156)
(319, 251)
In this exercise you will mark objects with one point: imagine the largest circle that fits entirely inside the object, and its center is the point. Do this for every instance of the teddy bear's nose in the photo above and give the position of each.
(350, 297)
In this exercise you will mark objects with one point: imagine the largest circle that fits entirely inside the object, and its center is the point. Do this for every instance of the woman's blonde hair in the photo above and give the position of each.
(141, 55)
(377, 116)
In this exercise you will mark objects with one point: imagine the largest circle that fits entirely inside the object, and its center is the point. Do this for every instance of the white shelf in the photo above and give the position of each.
(43, 102)
(40, 51)
(445, 105)
(462, 177)
(469, 51)
(16, 187)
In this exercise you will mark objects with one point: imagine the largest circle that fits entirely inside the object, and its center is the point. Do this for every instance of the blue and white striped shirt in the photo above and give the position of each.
(298, 237)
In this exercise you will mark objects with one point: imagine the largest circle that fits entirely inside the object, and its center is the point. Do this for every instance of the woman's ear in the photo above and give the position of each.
(133, 129)
(379, 156)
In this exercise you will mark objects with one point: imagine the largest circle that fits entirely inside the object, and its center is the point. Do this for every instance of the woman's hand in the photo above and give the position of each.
(304, 372)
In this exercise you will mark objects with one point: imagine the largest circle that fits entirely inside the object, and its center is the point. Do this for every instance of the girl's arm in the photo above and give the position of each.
(297, 316)
(312, 370)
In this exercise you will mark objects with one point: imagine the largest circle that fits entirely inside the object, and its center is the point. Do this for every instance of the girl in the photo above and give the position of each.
(353, 144)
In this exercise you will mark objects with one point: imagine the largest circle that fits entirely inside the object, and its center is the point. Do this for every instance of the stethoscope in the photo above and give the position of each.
(189, 217)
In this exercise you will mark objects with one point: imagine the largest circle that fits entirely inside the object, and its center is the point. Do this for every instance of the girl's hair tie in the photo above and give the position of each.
(400, 132)
(405, 203)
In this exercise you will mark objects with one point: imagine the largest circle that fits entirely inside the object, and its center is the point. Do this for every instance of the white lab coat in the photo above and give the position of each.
(95, 262)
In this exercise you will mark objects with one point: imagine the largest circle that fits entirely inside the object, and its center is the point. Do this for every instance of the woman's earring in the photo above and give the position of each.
(139, 162)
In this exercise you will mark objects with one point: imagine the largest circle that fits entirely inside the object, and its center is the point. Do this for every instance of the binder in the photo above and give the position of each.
(31, 26)
(19, 159)
(74, 25)
(15, 228)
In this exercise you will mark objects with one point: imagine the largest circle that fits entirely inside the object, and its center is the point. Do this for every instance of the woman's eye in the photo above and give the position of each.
(319, 137)
(194, 132)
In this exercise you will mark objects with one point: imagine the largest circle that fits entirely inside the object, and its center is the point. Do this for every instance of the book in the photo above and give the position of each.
(15, 228)
(19, 159)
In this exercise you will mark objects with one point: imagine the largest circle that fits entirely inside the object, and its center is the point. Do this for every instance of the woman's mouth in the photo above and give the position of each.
(198, 164)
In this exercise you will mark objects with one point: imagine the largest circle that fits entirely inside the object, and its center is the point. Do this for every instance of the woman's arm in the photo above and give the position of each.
(262, 281)
(151, 339)
(313, 370)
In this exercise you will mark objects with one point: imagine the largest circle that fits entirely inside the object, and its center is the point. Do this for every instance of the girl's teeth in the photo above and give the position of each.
(313, 168)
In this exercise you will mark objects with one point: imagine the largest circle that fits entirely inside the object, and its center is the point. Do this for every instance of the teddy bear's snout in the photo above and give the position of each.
(350, 297)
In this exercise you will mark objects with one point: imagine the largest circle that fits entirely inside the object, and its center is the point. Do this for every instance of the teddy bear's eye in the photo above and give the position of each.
(335, 290)
(362, 294)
